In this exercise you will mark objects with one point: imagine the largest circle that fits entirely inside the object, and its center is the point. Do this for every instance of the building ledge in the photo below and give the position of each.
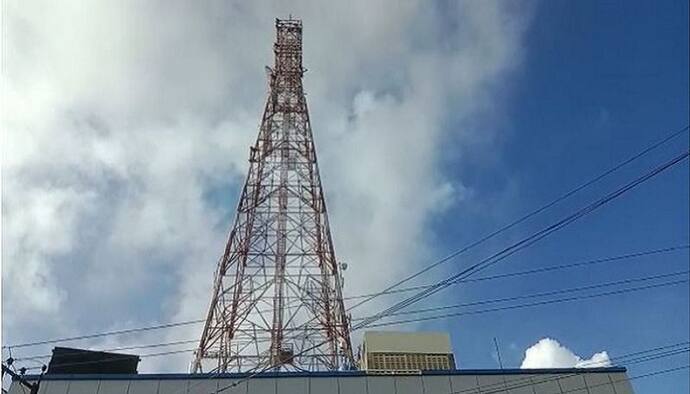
(329, 374)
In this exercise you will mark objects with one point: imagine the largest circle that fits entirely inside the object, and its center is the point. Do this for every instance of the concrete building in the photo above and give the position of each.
(391, 363)
(513, 381)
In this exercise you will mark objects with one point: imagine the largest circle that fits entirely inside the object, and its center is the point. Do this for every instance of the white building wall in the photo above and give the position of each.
(453, 383)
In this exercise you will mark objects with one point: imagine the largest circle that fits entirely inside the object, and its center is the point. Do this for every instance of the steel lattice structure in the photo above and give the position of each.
(277, 297)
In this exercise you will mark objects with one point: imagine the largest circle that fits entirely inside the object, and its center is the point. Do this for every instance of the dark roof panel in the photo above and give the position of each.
(80, 361)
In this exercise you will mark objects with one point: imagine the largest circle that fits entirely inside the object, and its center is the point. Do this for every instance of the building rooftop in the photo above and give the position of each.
(240, 375)
(514, 381)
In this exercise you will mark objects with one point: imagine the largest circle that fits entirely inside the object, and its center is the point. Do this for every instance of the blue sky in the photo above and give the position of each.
(434, 126)
(599, 82)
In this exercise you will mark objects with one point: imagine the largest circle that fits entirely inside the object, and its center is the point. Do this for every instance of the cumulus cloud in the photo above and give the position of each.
(548, 353)
(126, 133)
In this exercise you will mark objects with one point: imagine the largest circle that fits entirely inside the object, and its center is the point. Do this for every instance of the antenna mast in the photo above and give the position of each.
(277, 296)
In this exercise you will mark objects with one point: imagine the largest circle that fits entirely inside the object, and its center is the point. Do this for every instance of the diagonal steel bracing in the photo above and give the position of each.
(277, 288)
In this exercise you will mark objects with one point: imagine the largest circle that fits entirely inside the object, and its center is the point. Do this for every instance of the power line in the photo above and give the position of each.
(390, 288)
(454, 279)
(542, 294)
(119, 358)
(530, 214)
(528, 241)
(577, 264)
(556, 378)
(539, 270)
(647, 375)
(536, 270)
(547, 379)
(107, 333)
(506, 252)
(622, 357)
(419, 311)
(629, 359)
(395, 323)
(635, 157)
(641, 356)
(528, 305)
(134, 347)
(188, 322)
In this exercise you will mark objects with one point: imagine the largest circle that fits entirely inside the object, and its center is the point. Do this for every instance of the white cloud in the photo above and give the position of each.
(126, 133)
(548, 353)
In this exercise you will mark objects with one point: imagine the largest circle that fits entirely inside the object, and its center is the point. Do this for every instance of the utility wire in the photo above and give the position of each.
(256, 371)
(260, 371)
(586, 263)
(539, 295)
(441, 261)
(482, 264)
(627, 359)
(433, 309)
(503, 254)
(644, 358)
(528, 305)
(254, 374)
(529, 215)
(108, 333)
(530, 382)
(117, 358)
(557, 378)
(647, 375)
(433, 288)
(473, 269)
(529, 272)
(122, 357)
(134, 347)
(526, 242)
(538, 270)
(630, 358)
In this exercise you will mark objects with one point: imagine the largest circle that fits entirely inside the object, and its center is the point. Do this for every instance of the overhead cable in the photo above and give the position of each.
(535, 212)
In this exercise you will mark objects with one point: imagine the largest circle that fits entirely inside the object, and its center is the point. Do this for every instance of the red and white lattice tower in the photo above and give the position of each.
(277, 297)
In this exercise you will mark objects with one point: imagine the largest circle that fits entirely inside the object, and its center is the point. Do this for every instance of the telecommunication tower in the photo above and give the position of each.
(277, 297)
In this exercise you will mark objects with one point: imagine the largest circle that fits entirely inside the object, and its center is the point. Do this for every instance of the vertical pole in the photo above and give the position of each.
(498, 353)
